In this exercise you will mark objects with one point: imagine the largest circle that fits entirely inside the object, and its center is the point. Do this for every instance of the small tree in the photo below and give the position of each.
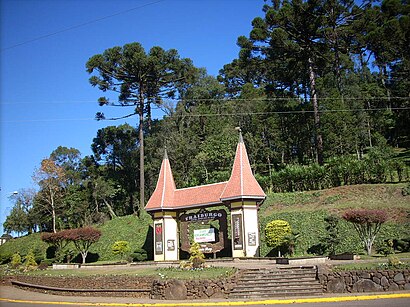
(196, 255)
(121, 248)
(277, 233)
(367, 223)
(332, 238)
(16, 260)
(30, 260)
(59, 241)
(83, 238)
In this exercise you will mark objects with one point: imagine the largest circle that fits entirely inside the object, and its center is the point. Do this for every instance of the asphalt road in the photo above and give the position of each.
(397, 302)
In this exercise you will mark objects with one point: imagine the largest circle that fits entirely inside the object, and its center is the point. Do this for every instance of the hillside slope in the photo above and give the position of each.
(305, 211)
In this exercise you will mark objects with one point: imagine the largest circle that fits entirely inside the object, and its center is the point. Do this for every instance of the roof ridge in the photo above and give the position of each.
(204, 185)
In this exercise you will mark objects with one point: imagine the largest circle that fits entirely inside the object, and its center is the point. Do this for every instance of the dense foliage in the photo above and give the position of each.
(320, 89)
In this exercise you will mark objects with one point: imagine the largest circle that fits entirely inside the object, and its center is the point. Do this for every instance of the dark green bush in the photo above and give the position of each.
(43, 265)
(385, 247)
(48, 262)
(402, 245)
(5, 257)
(406, 190)
(139, 255)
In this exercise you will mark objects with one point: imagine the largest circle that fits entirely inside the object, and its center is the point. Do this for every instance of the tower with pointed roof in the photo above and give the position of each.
(241, 193)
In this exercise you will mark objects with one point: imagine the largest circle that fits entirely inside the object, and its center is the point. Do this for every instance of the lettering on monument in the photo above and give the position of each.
(211, 239)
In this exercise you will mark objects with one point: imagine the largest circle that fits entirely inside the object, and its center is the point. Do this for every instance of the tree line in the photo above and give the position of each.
(320, 89)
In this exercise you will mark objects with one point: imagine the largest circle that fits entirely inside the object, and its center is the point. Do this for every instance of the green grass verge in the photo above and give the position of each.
(160, 273)
(376, 265)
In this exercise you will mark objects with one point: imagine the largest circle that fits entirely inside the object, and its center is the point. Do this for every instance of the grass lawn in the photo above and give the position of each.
(375, 262)
(370, 266)
(206, 273)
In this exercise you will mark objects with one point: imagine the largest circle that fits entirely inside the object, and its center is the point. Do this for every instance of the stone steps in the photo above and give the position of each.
(288, 281)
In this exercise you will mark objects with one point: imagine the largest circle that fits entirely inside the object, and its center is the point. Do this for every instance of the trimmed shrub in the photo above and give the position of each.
(121, 248)
(30, 260)
(139, 254)
(16, 260)
(277, 233)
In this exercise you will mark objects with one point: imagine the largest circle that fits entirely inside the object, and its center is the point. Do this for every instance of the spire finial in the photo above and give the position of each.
(165, 152)
(240, 134)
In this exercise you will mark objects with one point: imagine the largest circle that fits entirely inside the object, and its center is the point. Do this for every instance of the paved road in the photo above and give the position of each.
(398, 302)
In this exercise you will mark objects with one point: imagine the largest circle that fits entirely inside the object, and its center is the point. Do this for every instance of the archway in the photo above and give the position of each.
(241, 194)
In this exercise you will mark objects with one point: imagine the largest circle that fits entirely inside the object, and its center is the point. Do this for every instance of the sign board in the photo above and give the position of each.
(252, 238)
(237, 235)
(158, 239)
(170, 245)
(202, 216)
(204, 235)
(211, 242)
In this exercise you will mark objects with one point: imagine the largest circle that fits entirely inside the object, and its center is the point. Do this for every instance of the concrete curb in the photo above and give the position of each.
(218, 303)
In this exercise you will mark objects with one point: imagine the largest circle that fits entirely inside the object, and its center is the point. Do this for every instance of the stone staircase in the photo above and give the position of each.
(281, 281)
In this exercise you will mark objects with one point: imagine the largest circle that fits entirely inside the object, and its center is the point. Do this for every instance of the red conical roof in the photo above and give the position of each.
(242, 184)
(163, 196)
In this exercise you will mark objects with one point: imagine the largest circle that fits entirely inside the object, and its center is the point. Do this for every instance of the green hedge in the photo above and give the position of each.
(377, 167)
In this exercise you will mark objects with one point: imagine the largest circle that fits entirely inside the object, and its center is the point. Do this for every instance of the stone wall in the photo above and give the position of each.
(173, 289)
(364, 281)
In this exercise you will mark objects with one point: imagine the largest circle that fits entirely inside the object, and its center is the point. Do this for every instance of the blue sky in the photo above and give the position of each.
(45, 98)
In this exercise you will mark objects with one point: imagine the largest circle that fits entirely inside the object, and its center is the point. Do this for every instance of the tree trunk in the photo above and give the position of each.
(53, 210)
(149, 119)
(141, 140)
(313, 96)
(110, 210)
(369, 133)
(84, 255)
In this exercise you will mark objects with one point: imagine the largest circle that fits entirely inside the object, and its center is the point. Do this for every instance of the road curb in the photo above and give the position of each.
(231, 303)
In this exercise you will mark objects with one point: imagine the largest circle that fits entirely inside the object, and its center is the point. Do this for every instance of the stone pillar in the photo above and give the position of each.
(245, 229)
(166, 243)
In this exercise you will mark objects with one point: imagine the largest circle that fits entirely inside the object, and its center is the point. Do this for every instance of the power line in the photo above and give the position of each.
(46, 120)
(219, 114)
(79, 25)
(289, 112)
(211, 99)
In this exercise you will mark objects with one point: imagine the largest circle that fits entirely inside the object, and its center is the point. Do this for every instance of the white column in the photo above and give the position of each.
(166, 243)
(251, 229)
(245, 229)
